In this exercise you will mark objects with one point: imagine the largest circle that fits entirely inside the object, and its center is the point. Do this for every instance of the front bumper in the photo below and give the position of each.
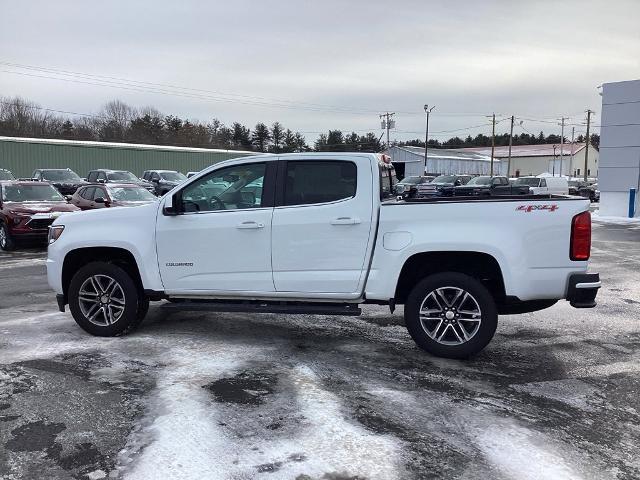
(582, 290)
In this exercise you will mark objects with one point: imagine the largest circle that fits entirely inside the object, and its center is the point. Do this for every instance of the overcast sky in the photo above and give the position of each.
(327, 64)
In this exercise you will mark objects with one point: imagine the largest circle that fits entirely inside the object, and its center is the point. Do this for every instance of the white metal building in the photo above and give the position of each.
(619, 147)
(544, 158)
(410, 161)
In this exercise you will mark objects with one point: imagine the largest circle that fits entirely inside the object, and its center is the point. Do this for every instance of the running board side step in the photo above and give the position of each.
(295, 308)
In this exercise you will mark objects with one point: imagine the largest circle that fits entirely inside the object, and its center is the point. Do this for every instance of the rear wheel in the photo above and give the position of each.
(6, 241)
(451, 315)
(105, 301)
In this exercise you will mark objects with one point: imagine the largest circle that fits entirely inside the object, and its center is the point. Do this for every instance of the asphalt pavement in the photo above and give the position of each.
(238, 396)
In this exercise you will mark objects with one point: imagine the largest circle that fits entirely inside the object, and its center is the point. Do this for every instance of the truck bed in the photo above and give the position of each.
(476, 198)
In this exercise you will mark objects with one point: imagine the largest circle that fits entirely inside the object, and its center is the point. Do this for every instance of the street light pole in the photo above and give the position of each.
(427, 110)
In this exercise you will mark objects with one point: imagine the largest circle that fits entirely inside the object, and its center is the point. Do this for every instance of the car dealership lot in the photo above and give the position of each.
(239, 396)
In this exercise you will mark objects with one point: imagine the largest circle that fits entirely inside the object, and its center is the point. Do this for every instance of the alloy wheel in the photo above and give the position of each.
(450, 315)
(101, 300)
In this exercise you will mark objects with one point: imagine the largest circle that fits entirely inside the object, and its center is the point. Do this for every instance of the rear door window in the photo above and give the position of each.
(87, 193)
(315, 181)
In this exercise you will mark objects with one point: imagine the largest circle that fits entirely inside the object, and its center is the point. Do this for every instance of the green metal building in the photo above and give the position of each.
(23, 155)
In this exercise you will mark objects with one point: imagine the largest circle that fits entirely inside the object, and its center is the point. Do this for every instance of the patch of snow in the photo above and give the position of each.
(615, 220)
(518, 453)
(186, 429)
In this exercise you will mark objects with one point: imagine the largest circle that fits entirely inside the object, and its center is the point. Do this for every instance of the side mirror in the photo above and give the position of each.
(457, 183)
(170, 205)
(68, 198)
(99, 200)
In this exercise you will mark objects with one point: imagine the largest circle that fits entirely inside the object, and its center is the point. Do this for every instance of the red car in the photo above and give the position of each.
(27, 209)
(111, 195)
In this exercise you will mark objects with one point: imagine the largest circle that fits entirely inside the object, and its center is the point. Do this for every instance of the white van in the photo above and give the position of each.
(545, 185)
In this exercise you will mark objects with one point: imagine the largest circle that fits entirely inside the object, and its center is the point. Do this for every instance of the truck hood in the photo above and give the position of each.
(40, 207)
(114, 216)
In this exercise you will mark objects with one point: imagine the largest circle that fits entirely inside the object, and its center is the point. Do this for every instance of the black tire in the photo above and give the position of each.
(6, 241)
(132, 306)
(478, 300)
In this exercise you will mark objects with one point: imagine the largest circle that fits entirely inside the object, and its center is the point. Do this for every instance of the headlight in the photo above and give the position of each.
(54, 233)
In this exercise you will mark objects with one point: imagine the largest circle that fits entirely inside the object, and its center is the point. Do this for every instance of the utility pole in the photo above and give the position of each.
(388, 124)
(586, 147)
(427, 110)
(493, 141)
(573, 133)
(562, 143)
(554, 160)
(510, 144)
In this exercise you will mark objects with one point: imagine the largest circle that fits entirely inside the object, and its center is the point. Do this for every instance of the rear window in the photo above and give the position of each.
(310, 182)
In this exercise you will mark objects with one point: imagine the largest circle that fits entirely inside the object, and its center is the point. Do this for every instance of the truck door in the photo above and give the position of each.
(220, 239)
(322, 225)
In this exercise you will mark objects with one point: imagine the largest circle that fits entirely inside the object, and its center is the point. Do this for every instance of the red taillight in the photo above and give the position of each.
(580, 249)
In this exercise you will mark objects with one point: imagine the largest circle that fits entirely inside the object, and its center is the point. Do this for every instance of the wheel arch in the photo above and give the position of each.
(79, 257)
(479, 265)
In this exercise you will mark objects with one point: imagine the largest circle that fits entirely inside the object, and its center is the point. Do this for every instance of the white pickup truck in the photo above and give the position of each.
(321, 233)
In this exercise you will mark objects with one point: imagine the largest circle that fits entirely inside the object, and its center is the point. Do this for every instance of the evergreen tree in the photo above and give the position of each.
(277, 135)
(241, 136)
(260, 137)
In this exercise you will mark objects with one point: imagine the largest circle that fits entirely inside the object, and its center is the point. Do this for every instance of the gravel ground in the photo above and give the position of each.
(237, 396)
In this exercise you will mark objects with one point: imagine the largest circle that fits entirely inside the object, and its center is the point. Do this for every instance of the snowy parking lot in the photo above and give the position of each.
(239, 396)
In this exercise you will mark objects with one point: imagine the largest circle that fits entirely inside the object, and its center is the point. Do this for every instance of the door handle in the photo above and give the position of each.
(345, 221)
(249, 225)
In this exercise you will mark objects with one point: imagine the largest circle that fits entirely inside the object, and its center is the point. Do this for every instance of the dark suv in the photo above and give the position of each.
(163, 180)
(443, 185)
(104, 175)
(64, 179)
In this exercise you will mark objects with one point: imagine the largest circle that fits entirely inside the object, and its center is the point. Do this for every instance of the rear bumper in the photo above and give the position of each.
(582, 289)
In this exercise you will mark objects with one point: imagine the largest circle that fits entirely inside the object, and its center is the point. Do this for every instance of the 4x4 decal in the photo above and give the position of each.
(530, 208)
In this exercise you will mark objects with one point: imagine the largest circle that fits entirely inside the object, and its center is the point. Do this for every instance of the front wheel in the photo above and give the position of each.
(6, 242)
(105, 301)
(451, 315)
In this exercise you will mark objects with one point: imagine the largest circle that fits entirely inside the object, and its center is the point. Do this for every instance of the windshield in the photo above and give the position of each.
(117, 176)
(410, 181)
(173, 176)
(480, 181)
(61, 176)
(575, 183)
(444, 179)
(6, 175)
(31, 193)
(529, 182)
(131, 194)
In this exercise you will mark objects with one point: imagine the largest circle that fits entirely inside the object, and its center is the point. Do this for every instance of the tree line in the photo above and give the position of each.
(482, 140)
(120, 122)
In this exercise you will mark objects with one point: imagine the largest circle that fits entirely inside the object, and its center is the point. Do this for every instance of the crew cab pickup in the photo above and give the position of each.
(321, 233)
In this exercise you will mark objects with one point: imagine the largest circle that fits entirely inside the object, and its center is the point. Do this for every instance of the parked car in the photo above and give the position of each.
(323, 237)
(544, 185)
(488, 185)
(408, 185)
(27, 208)
(442, 185)
(64, 179)
(118, 176)
(584, 189)
(163, 180)
(6, 175)
(111, 195)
